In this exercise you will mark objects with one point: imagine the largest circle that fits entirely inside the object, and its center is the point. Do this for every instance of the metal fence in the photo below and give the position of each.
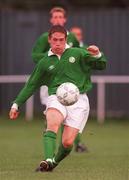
(107, 28)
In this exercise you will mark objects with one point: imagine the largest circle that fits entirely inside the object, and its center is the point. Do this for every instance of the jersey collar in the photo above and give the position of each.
(50, 53)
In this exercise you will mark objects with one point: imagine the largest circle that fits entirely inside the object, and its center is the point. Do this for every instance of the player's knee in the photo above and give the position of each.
(53, 127)
(67, 143)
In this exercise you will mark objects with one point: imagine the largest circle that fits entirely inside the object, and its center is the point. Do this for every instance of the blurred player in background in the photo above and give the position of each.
(78, 32)
(79, 35)
(61, 64)
(57, 17)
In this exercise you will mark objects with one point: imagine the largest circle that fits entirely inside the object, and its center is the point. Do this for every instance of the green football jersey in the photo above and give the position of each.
(42, 45)
(75, 66)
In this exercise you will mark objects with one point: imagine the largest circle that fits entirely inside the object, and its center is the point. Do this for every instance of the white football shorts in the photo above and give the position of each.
(75, 115)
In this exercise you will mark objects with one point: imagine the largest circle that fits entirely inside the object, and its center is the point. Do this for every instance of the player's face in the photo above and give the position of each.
(78, 33)
(57, 42)
(58, 19)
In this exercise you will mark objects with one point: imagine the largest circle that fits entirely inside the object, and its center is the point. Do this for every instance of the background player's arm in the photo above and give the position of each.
(40, 48)
(71, 38)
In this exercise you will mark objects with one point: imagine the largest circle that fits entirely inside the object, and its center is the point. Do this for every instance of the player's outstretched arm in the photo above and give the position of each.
(98, 61)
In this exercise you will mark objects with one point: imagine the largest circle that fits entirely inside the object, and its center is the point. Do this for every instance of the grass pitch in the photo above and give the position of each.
(107, 159)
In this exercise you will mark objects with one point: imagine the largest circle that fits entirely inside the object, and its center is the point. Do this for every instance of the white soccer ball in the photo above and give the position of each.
(67, 94)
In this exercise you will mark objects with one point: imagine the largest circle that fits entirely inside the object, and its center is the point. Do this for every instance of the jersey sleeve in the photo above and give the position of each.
(93, 62)
(41, 46)
(33, 83)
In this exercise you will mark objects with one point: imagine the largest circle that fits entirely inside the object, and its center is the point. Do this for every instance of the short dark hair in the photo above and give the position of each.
(57, 28)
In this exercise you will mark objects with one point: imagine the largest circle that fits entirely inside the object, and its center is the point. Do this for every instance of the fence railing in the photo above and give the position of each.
(101, 81)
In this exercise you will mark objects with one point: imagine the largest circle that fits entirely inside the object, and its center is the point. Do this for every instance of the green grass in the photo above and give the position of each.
(108, 157)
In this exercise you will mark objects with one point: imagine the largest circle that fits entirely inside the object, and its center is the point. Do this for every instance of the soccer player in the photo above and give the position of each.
(41, 46)
(79, 35)
(57, 17)
(61, 64)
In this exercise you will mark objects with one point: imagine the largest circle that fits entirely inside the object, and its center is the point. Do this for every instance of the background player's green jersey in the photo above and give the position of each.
(74, 66)
(42, 45)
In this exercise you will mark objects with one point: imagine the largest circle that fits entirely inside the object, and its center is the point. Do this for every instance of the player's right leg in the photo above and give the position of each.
(54, 120)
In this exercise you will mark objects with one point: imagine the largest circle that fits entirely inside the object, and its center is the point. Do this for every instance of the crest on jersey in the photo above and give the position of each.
(72, 59)
(51, 67)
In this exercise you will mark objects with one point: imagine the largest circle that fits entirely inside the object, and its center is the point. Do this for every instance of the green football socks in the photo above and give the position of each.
(49, 141)
(62, 153)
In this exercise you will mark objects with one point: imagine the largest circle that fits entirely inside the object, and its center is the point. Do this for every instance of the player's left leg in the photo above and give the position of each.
(79, 147)
(68, 137)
